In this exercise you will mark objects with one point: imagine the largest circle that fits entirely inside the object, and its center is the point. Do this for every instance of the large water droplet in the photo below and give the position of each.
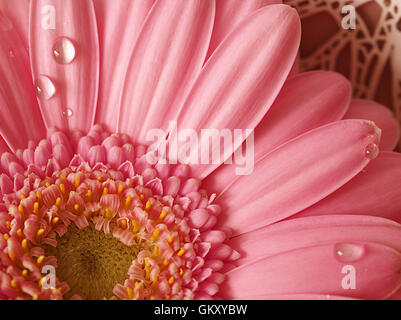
(348, 252)
(67, 113)
(372, 151)
(44, 88)
(5, 23)
(64, 51)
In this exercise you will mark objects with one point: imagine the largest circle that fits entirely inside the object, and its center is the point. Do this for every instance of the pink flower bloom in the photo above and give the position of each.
(80, 196)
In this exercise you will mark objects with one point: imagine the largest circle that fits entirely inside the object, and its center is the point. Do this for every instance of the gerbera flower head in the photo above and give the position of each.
(85, 214)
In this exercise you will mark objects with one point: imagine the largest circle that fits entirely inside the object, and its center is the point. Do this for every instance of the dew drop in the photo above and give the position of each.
(67, 113)
(5, 23)
(371, 151)
(44, 88)
(348, 252)
(11, 53)
(63, 51)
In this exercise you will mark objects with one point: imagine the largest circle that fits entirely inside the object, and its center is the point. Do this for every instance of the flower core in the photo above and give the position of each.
(107, 228)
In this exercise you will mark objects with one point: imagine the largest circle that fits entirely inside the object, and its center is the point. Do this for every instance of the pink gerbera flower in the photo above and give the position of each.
(80, 197)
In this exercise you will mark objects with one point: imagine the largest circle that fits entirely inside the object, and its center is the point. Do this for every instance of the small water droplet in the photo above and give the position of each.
(5, 23)
(372, 151)
(67, 113)
(44, 88)
(11, 53)
(64, 51)
(348, 252)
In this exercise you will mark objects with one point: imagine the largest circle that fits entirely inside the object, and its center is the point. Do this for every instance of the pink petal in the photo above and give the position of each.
(18, 12)
(374, 191)
(298, 174)
(119, 23)
(20, 118)
(307, 101)
(303, 232)
(243, 77)
(76, 83)
(166, 60)
(3, 146)
(382, 116)
(318, 270)
(228, 14)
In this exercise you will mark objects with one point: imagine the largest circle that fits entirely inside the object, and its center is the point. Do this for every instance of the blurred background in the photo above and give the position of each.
(369, 55)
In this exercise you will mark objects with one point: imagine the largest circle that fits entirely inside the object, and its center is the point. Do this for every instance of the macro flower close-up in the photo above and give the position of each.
(172, 150)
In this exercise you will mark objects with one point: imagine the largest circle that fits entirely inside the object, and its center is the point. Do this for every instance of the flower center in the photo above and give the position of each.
(109, 224)
(91, 262)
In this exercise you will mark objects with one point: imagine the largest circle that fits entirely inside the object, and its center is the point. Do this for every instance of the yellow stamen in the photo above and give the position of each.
(21, 211)
(39, 195)
(105, 191)
(166, 297)
(130, 293)
(128, 200)
(181, 252)
(63, 176)
(8, 225)
(36, 208)
(181, 271)
(40, 233)
(89, 195)
(76, 207)
(147, 205)
(6, 236)
(147, 269)
(99, 178)
(22, 196)
(162, 215)
(62, 188)
(58, 202)
(13, 284)
(55, 220)
(47, 184)
(171, 280)
(135, 226)
(25, 273)
(141, 196)
(156, 251)
(24, 245)
(11, 255)
(77, 182)
(152, 298)
(40, 260)
(170, 239)
(124, 224)
(20, 233)
(108, 213)
(155, 234)
(154, 282)
(165, 262)
(120, 189)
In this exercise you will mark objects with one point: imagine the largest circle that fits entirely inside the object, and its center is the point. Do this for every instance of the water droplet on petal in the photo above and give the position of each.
(5, 23)
(44, 88)
(371, 151)
(348, 252)
(67, 113)
(63, 51)
(11, 53)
